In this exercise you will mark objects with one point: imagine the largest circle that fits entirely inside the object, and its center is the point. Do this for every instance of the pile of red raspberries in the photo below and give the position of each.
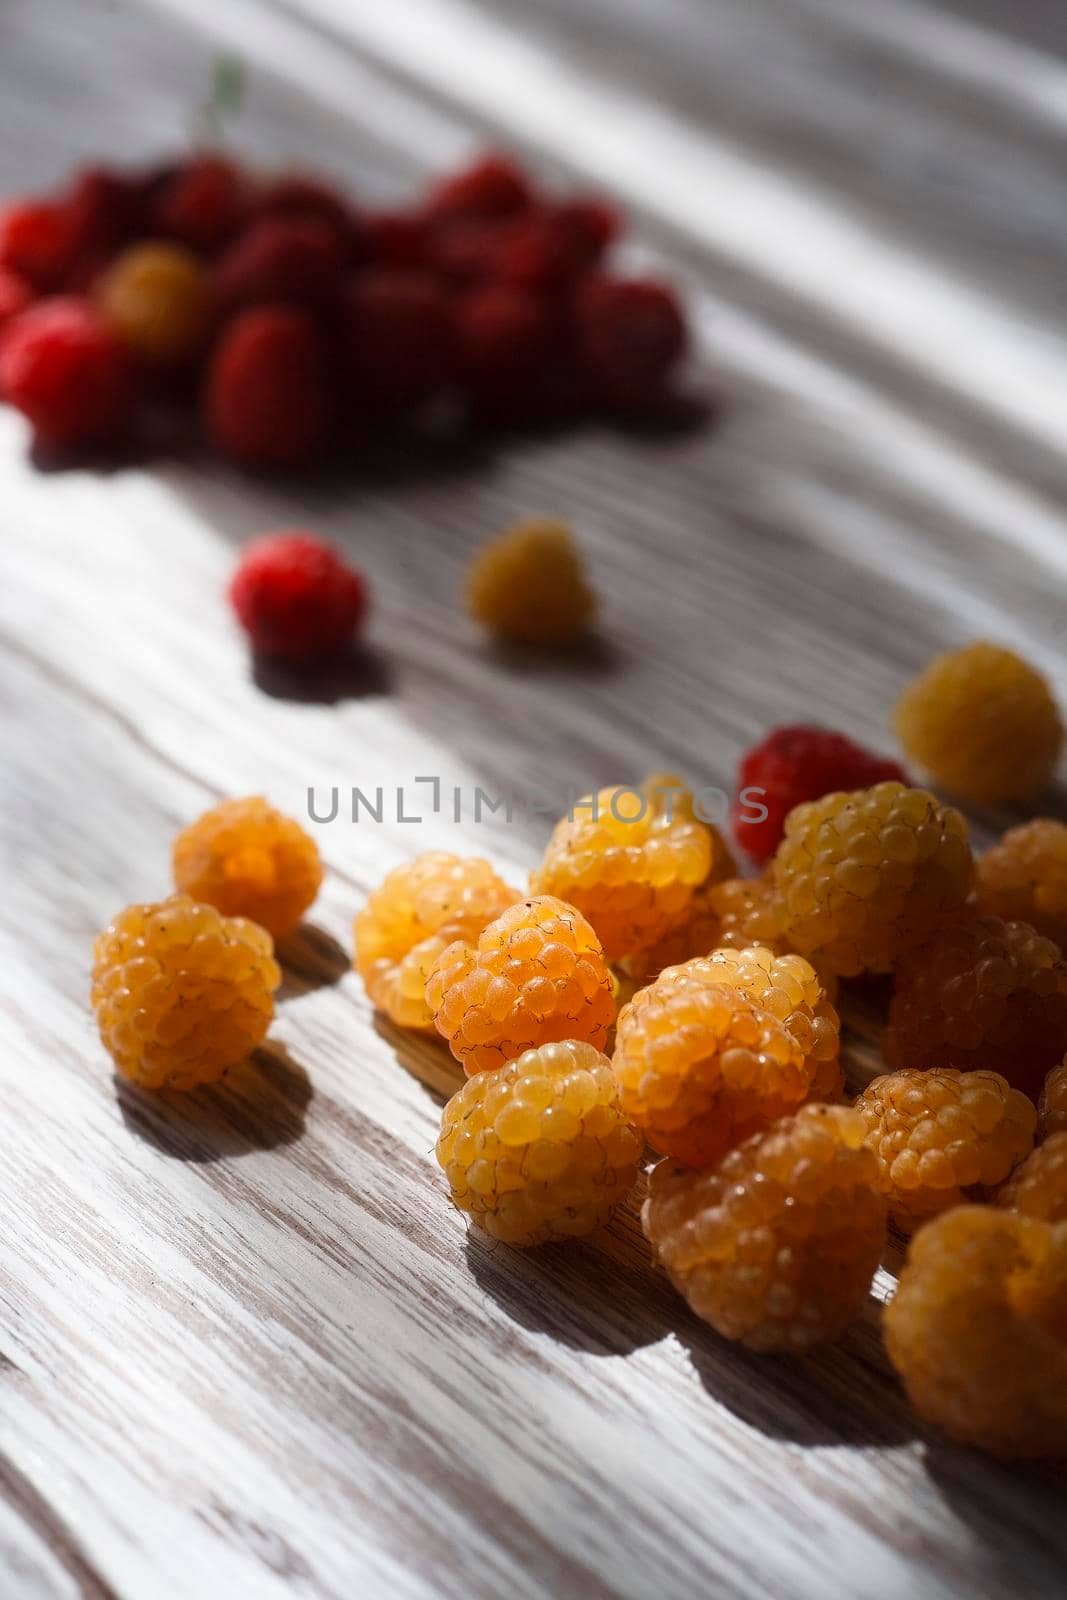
(298, 325)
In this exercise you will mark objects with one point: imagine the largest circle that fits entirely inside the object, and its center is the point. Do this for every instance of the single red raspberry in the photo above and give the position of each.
(269, 400)
(396, 238)
(492, 186)
(68, 373)
(629, 335)
(202, 203)
(105, 208)
(36, 242)
(549, 248)
(293, 259)
(511, 352)
(467, 254)
(400, 338)
(295, 597)
(15, 295)
(794, 764)
(299, 196)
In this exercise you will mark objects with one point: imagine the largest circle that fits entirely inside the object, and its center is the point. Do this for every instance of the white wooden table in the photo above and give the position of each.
(247, 1349)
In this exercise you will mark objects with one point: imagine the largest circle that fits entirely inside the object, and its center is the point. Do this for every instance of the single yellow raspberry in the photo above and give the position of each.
(1024, 878)
(1038, 1186)
(158, 299)
(1052, 1106)
(981, 993)
(862, 877)
(249, 860)
(977, 1330)
(630, 860)
(983, 724)
(181, 992)
(939, 1135)
(789, 988)
(777, 1245)
(420, 909)
(536, 975)
(538, 1148)
(701, 1066)
(529, 585)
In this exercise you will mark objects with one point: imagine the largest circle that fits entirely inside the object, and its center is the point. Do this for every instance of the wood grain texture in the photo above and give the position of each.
(246, 1349)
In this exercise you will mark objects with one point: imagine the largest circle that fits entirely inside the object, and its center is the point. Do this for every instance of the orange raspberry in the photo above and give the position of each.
(983, 724)
(1052, 1106)
(776, 1246)
(157, 298)
(862, 877)
(977, 1330)
(538, 1148)
(937, 1135)
(249, 860)
(529, 585)
(418, 911)
(1024, 878)
(536, 975)
(630, 860)
(181, 993)
(789, 988)
(981, 993)
(1038, 1186)
(701, 1066)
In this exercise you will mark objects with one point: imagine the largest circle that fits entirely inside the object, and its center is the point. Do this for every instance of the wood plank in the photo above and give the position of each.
(245, 1346)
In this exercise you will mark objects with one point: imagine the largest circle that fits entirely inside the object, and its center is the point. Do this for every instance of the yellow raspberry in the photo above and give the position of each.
(536, 975)
(158, 299)
(938, 1135)
(181, 992)
(249, 860)
(701, 1066)
(789, 988)
(538, 1148)
(776, 1246)
(1038, 1186)
(630, 860)
(1052, 1106)
(862, 877)
(981, 993)
(529, 585)
(977, 1330)
(417, 912)
(1024, 878)
(983, 724)
(697, 934)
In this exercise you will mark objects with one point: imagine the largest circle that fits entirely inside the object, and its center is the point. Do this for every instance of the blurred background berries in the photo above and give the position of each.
(311, 323)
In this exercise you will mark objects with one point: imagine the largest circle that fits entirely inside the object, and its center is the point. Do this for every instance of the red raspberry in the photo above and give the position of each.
(396, 238)
(201, 204)
(268, 400)
(105, 209)
(630, 333)
(15, 295)
(400, 338)
(298, 196)
(36, 241)
(294, 259)
(794, 764)
(549, 248)
(510, 350)
(493, 186)
(68, 373)
(295, 597)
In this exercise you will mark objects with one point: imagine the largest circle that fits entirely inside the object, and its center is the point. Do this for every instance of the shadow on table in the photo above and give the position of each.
(598, 1295)
(359, 674)
(260, 1105)
(310, 959)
